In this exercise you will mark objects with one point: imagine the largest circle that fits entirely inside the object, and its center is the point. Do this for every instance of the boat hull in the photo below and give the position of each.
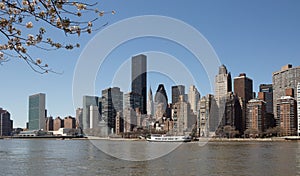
(169, 139)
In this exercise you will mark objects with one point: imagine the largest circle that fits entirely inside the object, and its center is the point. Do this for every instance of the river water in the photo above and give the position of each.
(82, 157)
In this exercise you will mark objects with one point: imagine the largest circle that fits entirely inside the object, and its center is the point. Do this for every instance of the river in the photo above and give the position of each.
(81, 157)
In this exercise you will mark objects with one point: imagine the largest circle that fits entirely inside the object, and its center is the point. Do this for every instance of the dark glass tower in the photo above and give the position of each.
(139, 79)
(176, 92)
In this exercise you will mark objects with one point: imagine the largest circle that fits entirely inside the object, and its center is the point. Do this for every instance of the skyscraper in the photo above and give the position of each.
(112, 102)
(36, 113)
(266, 94)
(176, 92)
(139, 79)
(243, 88)
(6, 124)
(87, 102)
(150, 103)
(193, 98)
(160, 102)
(287, 77)
(223, 84)
(298, 107)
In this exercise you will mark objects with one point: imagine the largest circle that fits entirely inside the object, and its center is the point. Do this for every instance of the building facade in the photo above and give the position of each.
(256, 115)
(182, 116)
(287, 115)
(266, 94)
(243, 88)
(160, 102)
(298, 108)
(287, 77)
(112, 102)
(177, 91)
(223, 84)
(49, 124)
(37, 112)
(150, 103)
(58, 123)
(94, 116)
(70, 122)
(6, 124)
(79, 113)
(139, 79)
(87, 102)
(193, 98)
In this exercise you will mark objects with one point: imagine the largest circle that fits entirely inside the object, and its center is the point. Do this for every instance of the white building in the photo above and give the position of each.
(94, 116)
(193, 98)
(150, 103)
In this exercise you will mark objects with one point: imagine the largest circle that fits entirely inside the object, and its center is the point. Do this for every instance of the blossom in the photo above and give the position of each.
(29, 25)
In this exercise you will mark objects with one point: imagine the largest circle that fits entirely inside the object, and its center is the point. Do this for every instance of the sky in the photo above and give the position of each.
(253, 37)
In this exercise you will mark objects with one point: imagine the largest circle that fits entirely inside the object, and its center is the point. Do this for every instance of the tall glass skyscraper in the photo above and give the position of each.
(37, 111)
(112, 103)
(139, 79)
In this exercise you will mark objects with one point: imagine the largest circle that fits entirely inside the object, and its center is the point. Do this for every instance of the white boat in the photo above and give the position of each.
(166, 138)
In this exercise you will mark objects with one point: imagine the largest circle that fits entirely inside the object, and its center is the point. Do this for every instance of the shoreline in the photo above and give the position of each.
(273, 139)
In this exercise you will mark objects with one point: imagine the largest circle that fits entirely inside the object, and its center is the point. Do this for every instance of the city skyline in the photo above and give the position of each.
(243, 40)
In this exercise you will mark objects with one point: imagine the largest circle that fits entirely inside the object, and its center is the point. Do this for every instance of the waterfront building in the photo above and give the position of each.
(287, 77)
(256, 115)
(79, 113)
(150, 103)
(243, 88)
(139, 79)
(49, 124)
(6, 124)
(130, 119)
(112, 102)
(223, 89)
(203, 116)
(133, 100)
(94, 116)
(70, 122)
(207, 117)
(119, 123)
(298, 107)
(37, 111)
(266, 94)
(58, 123)
(183, 117)
(287, 115)
(232, 112)
(87, 102)
(193, 98)
(223, 84)
(160, 102)
(177, 91)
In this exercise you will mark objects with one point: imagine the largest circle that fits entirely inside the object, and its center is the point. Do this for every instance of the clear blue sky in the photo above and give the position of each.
(255, 37)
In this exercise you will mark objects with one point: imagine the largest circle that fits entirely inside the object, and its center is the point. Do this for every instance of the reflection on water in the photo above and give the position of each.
(81, 157)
